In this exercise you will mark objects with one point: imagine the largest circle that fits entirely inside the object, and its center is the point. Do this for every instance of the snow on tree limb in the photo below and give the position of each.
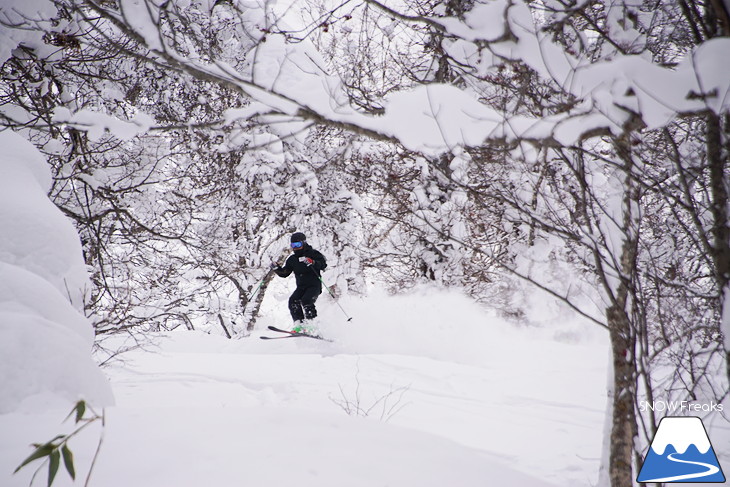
(291, 80)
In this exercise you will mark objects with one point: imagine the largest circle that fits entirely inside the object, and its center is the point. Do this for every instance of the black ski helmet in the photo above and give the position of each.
(298, 237)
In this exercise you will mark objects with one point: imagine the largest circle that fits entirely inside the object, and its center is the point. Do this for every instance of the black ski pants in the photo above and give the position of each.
(301, 303)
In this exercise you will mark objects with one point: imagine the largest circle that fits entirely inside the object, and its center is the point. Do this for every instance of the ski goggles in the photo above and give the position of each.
(297, 245)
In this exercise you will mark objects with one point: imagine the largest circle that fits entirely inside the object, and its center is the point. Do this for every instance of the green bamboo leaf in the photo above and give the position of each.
(68, 461)
(53, 466)
(80, 410)
(40, 452)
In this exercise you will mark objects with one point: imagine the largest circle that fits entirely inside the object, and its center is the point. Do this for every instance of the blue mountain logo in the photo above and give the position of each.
(681, 452)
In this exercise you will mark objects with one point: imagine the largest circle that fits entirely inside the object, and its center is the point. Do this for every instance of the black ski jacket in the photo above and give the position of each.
(306, 276)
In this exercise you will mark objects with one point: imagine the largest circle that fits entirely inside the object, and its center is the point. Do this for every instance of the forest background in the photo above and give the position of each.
(494, 147)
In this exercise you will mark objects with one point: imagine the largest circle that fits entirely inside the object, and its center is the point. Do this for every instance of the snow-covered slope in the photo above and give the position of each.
(452, 396)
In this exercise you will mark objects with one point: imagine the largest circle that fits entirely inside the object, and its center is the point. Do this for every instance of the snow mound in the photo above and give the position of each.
(45, 342)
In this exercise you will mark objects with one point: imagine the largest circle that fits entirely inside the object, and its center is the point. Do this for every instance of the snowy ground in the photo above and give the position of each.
(454, 396)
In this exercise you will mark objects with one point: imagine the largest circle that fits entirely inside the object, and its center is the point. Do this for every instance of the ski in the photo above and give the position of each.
(277, 338)
(292, 334)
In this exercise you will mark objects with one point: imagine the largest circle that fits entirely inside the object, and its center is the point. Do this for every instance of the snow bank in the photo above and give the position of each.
(45, 341)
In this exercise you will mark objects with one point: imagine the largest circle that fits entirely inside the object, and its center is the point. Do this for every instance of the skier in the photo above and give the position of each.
(306, 263)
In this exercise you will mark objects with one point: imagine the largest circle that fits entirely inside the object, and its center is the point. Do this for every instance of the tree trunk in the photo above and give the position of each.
(717, 157)
(623, 428)
(252, 308)
(621, 331)
(250, 305)
(603, 471)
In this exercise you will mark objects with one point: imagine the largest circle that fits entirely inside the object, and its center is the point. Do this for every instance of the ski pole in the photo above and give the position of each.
(349, 318)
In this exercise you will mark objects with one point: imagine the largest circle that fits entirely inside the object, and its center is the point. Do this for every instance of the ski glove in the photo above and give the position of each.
(306, 260)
